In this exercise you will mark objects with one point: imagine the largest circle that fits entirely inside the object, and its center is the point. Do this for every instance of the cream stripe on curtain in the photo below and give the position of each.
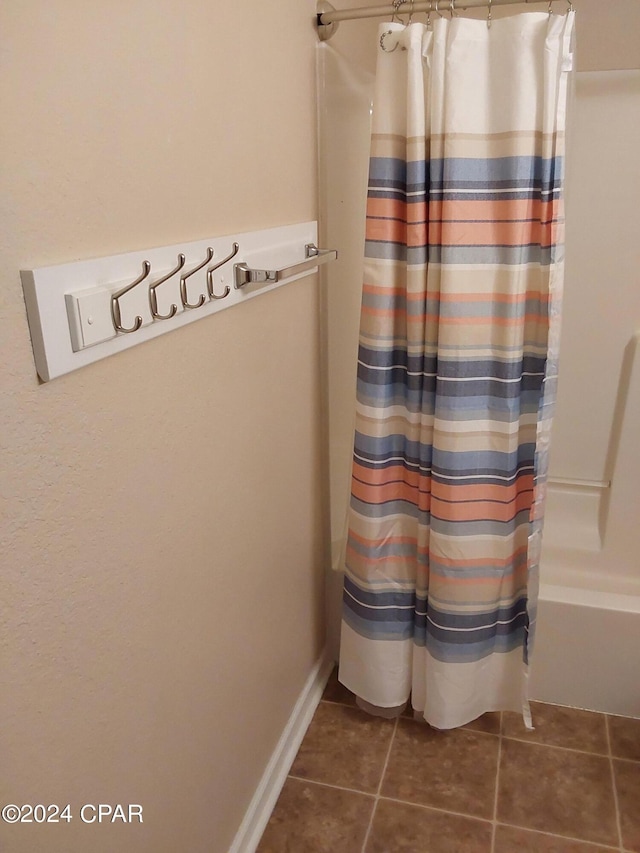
(457, 364)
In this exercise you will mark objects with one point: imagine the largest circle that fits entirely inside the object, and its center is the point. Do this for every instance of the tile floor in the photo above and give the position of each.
(361, 784)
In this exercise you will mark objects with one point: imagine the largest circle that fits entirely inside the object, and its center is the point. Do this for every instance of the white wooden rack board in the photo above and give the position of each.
(73, 316)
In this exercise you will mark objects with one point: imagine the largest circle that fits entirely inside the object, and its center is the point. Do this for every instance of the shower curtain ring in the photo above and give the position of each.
(410, 14)
(382, 38)
(396, 8)
(489, 15)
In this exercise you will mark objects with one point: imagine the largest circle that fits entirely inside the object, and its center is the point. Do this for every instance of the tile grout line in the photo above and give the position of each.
(377, 797)
(557, 746)
(590, 844)
(438, 809)
(397, 800)
(331, 785)
(494, 822)
(613, 783)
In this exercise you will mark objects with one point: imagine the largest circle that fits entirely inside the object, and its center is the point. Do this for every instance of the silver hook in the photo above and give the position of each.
(395, 17)
(396, 7)
(183, 283)
(116, 317)
(570, 9)
(452, 8)
(489, 15)
(153, 299)
(210, 272)
(410, 15)
(438, 12)
(429, 25)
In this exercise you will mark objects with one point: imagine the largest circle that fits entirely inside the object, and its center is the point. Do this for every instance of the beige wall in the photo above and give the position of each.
(161, 519)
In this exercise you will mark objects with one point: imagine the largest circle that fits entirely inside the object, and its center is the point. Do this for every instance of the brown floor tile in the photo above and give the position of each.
(344, 746)
(489, 722)
(557, 791)
(558, 726)
(624, 733)
(627, 775)
(401, 828)
(454, 770)
(336, 692)
(315, 819)
(509, 839)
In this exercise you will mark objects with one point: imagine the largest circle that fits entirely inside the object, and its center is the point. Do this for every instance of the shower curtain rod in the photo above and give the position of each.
(329, 15)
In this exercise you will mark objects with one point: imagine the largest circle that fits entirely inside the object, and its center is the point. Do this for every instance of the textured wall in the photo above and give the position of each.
(161, 508)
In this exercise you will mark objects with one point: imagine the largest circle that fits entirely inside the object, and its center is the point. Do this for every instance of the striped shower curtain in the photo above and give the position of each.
(457, 364)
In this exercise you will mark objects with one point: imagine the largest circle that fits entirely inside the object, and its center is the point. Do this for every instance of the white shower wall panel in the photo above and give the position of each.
(345, 79)
(602, 289)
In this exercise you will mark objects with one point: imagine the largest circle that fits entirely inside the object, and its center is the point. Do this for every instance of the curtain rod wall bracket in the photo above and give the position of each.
(325, 31)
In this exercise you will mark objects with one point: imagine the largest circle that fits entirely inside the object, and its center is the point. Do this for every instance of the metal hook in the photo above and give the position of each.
(183, 283)
(210, 272)
(489, 15)
(410, 14)
(569, 4)
(153, 299)
(438, 12)
(429, 25)
(452, 8)
(396, 7)
(116, 317)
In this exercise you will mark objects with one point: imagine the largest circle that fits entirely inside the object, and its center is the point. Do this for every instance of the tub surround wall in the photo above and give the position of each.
(594, 467)
(590, 569)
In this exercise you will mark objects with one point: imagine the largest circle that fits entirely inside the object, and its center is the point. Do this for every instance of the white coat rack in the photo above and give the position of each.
(84, 311)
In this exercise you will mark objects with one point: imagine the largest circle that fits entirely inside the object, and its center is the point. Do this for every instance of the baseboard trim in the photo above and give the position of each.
(275, 774)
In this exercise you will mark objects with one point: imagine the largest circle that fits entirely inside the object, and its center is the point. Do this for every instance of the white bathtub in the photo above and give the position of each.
(587, 650)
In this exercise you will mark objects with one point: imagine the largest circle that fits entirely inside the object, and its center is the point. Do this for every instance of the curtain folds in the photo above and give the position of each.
(457, 364)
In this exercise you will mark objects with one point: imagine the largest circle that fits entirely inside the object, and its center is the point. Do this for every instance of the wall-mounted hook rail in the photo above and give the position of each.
(115, 304)
(76, 310)
(246, 275)
(183, 283)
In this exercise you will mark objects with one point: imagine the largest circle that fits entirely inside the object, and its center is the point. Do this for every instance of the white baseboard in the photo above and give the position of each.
(275, 774)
